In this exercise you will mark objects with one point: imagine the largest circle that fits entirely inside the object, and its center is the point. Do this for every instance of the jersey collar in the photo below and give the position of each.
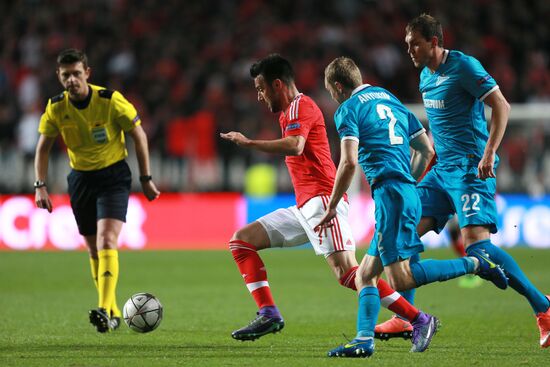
(85, 102)
(445, 56)
(359, 88)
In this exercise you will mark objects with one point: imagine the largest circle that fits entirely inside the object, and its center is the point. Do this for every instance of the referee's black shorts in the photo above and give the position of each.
(99, 194)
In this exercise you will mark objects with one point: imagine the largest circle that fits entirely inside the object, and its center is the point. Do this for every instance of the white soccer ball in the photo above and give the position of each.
(142, 312)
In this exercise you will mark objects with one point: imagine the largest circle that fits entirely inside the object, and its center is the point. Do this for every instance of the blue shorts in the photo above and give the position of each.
(397, 213)
(444, 192)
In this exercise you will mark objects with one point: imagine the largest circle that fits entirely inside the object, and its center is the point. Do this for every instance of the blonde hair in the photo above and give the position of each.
(344, 71)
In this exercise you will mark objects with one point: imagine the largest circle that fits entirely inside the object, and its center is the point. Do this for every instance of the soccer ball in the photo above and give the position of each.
(142, 312)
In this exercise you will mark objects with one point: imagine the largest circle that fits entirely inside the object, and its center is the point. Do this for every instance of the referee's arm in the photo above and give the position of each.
(142, 153)
(42, 199)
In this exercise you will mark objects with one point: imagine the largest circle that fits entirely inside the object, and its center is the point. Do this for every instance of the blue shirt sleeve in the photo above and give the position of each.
(415, 126)
(346, 123)
(474, 78)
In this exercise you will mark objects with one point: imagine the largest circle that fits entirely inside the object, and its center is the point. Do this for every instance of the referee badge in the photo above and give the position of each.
(99, 134)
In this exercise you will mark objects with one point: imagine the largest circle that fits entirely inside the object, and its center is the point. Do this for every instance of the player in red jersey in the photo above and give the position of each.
(305, 145)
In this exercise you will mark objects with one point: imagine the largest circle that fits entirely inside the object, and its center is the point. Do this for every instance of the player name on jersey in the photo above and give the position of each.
(365, 97)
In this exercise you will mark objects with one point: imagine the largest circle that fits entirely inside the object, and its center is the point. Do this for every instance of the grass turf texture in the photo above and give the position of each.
(45, 298)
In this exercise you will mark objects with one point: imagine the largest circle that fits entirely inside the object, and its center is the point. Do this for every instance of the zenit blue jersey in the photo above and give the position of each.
(383, 127)
(453, 97)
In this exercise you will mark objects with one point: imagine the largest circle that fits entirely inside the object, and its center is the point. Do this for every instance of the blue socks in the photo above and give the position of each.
(517, 279)
(367, 313)
(429, 271)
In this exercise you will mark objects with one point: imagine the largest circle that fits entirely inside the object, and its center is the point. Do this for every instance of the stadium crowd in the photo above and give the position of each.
(185, 66)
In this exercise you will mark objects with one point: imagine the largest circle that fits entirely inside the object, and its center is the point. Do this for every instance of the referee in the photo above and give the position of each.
(93, 121)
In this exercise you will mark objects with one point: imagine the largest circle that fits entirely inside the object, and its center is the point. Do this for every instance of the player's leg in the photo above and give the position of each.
(84, 205)
(457, 244)
(477, 238)
(108, 230)
(398, 220)
(477, 216)
(343, 262)
(111, 186)
(362, 344)
(277, 229)
(91, 244)
(437, 205)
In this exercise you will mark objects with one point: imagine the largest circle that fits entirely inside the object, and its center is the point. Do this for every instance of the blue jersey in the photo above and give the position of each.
(453, 97)
(383, 127)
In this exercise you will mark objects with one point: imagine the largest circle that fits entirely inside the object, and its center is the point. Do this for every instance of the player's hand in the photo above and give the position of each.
(150, 190)
(325, 222)
(486, 167)
(235, 137)
(42, 199)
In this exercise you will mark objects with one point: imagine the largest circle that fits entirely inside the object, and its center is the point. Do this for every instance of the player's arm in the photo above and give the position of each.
(422, 155)
(500, 110)
(41, 158)
(289, 145)
(344, 175)
(142, 153)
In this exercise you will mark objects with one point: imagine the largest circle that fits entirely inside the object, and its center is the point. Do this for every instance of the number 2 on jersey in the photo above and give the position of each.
(384, 112)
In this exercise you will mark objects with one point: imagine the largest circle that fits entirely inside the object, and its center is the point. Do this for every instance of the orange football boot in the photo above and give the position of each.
(543, 322)
(394, 328)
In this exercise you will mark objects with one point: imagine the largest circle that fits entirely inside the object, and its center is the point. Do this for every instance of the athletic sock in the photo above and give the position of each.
(94, 264)
(108, 277)
(393, 301)
(516, 278)
(429, 271)
(348, 279)
(367, 313)
(458, 246)
(389, 298)
(253, 271)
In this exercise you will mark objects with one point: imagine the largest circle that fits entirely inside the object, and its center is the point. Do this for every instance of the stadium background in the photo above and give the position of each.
(185, 67)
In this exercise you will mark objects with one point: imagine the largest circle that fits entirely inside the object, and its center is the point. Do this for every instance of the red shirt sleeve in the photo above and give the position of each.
(299, 119)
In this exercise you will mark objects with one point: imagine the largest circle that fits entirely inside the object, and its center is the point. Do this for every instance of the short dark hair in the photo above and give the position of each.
(427, 26)
(273, 67)
(70, 56)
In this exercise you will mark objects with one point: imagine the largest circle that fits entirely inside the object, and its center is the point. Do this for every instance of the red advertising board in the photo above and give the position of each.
(174, 221)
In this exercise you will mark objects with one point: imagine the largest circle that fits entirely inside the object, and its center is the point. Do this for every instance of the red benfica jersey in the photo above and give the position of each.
(313, 171)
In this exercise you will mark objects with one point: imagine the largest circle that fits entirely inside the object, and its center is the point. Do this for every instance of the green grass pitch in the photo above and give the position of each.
(45, 298)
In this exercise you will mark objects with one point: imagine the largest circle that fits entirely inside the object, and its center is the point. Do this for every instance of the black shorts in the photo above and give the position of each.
(99, 194)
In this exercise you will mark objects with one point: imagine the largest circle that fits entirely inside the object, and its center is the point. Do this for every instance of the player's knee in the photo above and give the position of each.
(107, 240)
(401, 283)
(242, 235)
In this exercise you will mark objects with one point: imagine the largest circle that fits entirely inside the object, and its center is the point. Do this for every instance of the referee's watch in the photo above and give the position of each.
(38, 184)
(145, 178)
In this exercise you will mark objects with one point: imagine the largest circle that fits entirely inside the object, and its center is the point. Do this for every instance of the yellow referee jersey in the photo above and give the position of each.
(93, 133)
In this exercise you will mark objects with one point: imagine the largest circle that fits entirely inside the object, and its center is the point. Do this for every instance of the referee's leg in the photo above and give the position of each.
(108, 230)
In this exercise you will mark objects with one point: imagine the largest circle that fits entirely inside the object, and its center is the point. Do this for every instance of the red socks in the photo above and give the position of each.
(389, 298)
(348, 279)
(395, 302)
(458, 246)
(253, 271)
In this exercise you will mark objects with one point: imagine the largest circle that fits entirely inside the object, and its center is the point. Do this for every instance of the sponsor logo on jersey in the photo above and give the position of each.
(440, 80)
(434, 103)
